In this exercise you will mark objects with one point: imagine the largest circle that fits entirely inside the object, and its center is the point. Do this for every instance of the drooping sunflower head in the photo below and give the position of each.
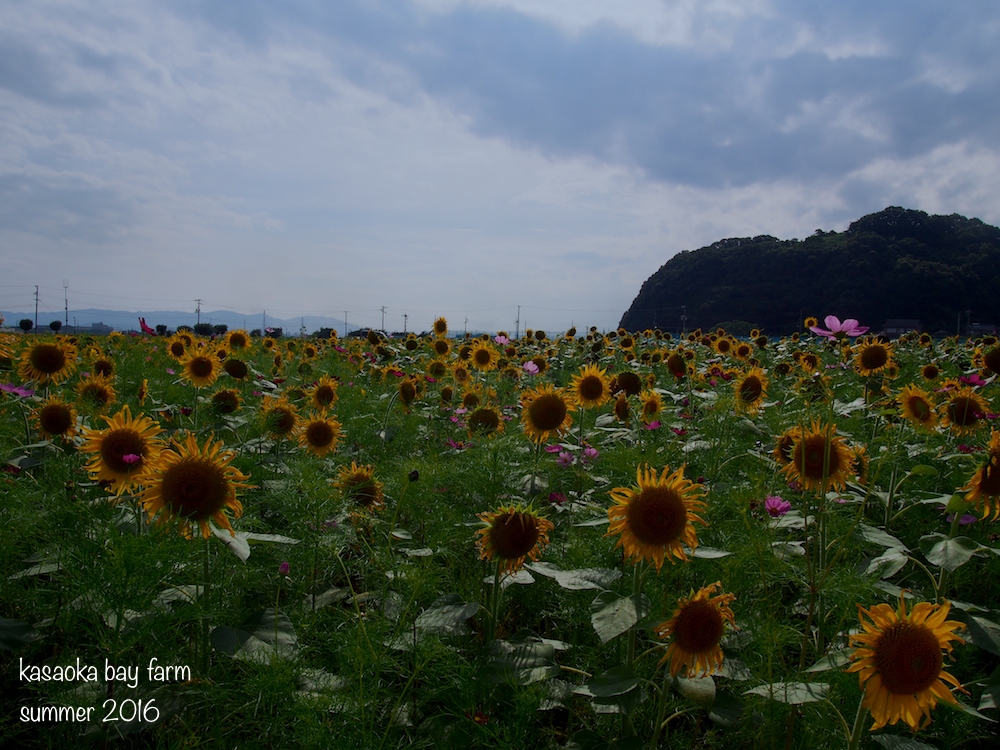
(820, 459)
(193, 485)
(654, 519)
(984, 486)
(123, 450)
(785, 444)
(511, 534)
(485, 421)
(622, 410)
(918, 407)
(358, 484)
(48, 362)
(320, 434)
(871, 356)
(96, 391)
(749, 391)
(55, 417)
(544, 412)
(697, 627)
(963, 411)
(899, 658)
(323, 395)
(591, 387)
(409, 390)
(226, 401)
(236, 368)
(279, 415)
(200, 368)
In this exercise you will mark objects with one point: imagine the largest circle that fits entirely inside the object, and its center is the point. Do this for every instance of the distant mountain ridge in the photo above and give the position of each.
(129, 321)
(896, 264)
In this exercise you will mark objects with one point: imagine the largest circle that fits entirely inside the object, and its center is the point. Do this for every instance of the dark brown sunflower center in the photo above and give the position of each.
(630, 383)
(238, 341)
(482, 357)
(814, 454)
(121, 442)
(48, 358)
(55, 419)
(226, 401)
(548, 411)
(281, 420)
(441, 347)
(236, 368)
(930, 372)
(437, 369)
(908, 658)
(699, 626)
(513, 535)
(963, 411)
(320, 434)
(657, 516)
(324, 395)
(447, 393)
(407, 392)
(920, 409)
(470, 400)
(650, 407)
(591, 388)
(104, 367)
(751, 389)
(873, 357)
(989, 482)
(992, 360)
(177, 348)
(675, 363)
(362, 488)
(195, 488)
(200, 367)
(96, 393)
(484, 420)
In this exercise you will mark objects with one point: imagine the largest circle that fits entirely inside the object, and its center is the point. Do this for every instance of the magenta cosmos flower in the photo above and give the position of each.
(839, 330)
(776, 506)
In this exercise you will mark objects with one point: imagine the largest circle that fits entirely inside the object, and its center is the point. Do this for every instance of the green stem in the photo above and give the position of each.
(943, 579)
(661, 711)
(494, 604)
(205, 596)
(854, 741)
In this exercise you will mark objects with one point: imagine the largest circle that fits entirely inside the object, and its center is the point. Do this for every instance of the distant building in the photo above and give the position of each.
(96, 329)
(896, 327)
(981, 329)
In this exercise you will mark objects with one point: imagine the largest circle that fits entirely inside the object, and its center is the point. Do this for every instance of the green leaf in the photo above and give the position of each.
(877, 536)
(949, 554)
(581, 579)
(613, 683)
(794, 693)
(901, 742)
(447, 615)
(612, 615)
(833, 660)
(726, 710)
(923, 470)
(698, 690)
(982, 632)
(709, 553)
(888, 563)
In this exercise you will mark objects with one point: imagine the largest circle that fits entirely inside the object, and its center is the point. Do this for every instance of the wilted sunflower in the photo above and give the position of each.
(963, 411)
(409, 390)
(656, 517)
(651, 405)
(899, 661)
(324, 394)
(512, 533)
(622, 409)
(97, 390)
(749, 391)
(48, 362)
(279, 415)
(320, 435)
(871, 356)
(918, 407)
(226, 401)
(591, 387)
(200, 369)
(544, 412)
(193, 485)
(697, 627)
(484, 357)
(55, 417)
(123, 450)
(984, 486)
(820, 459)
(485, 420)
(358, 484)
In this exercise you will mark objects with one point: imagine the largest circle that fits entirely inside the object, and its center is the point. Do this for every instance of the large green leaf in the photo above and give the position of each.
(794, 693)
(581, 579)
(949, 554)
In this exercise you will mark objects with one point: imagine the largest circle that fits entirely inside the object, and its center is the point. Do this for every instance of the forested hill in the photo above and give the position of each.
(897, 263)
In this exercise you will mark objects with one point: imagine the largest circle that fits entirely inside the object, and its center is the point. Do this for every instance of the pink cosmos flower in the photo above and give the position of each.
(530, 367)
(590, 453)
(839, 330)
(284, 568)
(776, 506)
(501, 340)
(131, 458)
(654, 425)
(565, 458)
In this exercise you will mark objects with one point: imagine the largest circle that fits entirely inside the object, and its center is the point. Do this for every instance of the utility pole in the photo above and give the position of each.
(405, 316)
(684, 318)
(66, 298)
(198, 310)
(36, 308)
(383, 318)
(466, 327)
(517, 324)
(346, 329)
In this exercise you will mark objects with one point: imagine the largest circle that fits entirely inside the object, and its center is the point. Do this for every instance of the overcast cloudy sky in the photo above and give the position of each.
(464, 157)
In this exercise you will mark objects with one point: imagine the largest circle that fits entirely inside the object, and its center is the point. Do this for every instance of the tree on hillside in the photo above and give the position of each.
(55, 325)
(220, 328)
(161, 330)
(203, 329)
(26, 324)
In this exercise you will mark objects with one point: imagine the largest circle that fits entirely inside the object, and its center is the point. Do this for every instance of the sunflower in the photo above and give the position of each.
(676, 364)
(238, 341)
(697, 627)
(810, 322)
(193, 484)
(324, 394)
(226, 401)
(808, 361)
(963, 411)
(545, 411)
(485, 420)
(358, 483)
(460, 373)
(656, 517)
(441, 347)
(236, 368)
(440, 327)
(200, 369)
(437, 369)
(749, 391)
(814, 387)
(990, 360)
(123, 449)
(103, 366)
(55, 417)
(409, 390)
(472, 396)
(784, 445)
(871, 356)
(48, 362)
(622, 408)
(484, 357)
(512, 533)
(723, 345)
(592, 387)
(628, 382)
(918, 407)
(930, 371)
(652, 405)
(96, 390)
(820, 459)
(899, 661)
(984, 486)
(320, 435)
(279, 415)
(177, 345)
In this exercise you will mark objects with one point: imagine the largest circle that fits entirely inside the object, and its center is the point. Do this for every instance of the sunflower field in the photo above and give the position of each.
(590, 540)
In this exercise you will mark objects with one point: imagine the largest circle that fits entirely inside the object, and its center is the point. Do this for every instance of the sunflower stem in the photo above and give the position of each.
(943, 579)
(206, 587)
(494, 603)
(854, 741)
(660, 711)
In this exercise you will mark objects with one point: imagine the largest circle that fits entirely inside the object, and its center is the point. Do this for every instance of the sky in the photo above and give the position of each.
(500, 163)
